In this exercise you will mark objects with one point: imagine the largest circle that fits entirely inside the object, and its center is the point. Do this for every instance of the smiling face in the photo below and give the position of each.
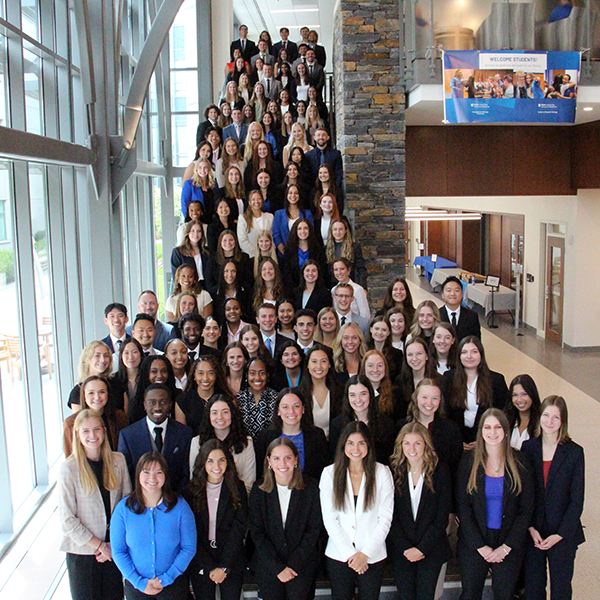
(265, 244)
(338, 231)
(234, 177)
(194, 212)
(233, 311)
(356, 447)
(267, 272)
(116, 321)
(428, 400)
(350, 340)
(311, 272)
(343, 297)
(318, 364)
(263, 180)
(195, 234)
(215, 466)
(285, 314)
(187, 304)
(521, 399)
(341, 271)
(159, 372)
(228, 243)
(293, 197)
(191, 333)
(380, 331)
(187, 278)
(425, 318)
(231, 147)
(283, 462)
(229, 273)
(256, 202)
(443, 340)
(551, 421)
(177, 355)
(157, 405)
(291, 410)
(290, 358)
(452, 295)
(305, 328)
(255, 132)
(375, 368)
(223, 209)
(235, 360)
(267, 319)
(413, 447)
(131, 356)
(152, 479)
(416, 356)
(359, 398)
(328, 322)
(399, 292)
(212, 332)
(397, 323)
(220, 416)
(205, 377)
(91, 435)
(251, 342)
(144, 332)
(100, 360)
(303, 232)
(470, 356)
(257, 376)
(492, 432)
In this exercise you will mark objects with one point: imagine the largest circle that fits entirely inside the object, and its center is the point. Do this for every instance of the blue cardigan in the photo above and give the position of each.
(154, 544)
(281, 230)
(190, 193)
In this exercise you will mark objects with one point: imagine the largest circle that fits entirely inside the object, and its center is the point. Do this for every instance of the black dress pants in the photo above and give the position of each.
(418, 580)
(205, 589)
(344, 579)
(474, 570)
(561, 562)
(92, 580)
(300, 588)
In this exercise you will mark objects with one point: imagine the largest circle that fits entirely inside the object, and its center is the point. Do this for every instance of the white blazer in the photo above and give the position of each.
(354, 530)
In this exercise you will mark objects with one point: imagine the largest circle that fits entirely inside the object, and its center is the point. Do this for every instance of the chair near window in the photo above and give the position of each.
(14, 349)
(45, 343)
(4, 351)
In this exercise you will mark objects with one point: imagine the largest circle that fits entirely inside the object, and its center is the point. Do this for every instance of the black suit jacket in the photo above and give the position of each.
(296, 544)
(250, 50)
(135, 440)
(517, 508)
(317, 79)
(231, 530)
(292, 50)
(320, 54)
(428, 531)
(315, 451)
(500, 396)
(333, 157)
(559, 504)
(468, 322)
(320, 298)
(201, 131)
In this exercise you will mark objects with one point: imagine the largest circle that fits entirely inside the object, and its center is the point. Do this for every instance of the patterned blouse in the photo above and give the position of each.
(257, 417)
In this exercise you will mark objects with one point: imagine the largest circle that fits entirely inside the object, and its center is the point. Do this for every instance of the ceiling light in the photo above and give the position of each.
(293, 10)
(588, 108)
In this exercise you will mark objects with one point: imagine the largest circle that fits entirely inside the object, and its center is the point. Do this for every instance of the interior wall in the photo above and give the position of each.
(581, 215)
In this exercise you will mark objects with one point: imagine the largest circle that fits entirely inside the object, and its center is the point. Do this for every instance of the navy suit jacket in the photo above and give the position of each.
(559, 504)
(108, 341)
(248, 52)
(468, 322)
(229, 131)
(333, 157)
(292, 50)
(135, 441)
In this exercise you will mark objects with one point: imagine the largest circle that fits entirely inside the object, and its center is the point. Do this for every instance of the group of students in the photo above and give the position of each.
(305, 443)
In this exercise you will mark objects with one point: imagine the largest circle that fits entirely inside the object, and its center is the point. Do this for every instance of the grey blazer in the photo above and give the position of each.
(81, 516)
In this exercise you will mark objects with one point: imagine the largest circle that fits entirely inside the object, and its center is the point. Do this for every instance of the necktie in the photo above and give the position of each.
(310, 69)
(243, 46)
(158, 439)
(269, 346)
(453, 317)
(322, 157)
(192, 355)
(343, 321)
(262, 56)
(119, 342)
(268, 86)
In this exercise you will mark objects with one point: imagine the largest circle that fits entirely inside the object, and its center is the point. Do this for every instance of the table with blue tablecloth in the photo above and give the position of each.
(429, 266)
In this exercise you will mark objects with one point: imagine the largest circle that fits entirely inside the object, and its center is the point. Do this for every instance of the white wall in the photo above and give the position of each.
(581, 216)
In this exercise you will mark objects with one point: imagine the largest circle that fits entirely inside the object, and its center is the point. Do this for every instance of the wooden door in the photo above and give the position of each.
(555, 283)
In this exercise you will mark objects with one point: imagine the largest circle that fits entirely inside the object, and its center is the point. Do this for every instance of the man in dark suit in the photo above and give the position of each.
(116, 319)
(302, 48)
(237, 130)
(316, 75)
(158, 432)
(291, 47)
(321, 55)
(465, 320)
(267, 320)
(248, 47)
(148, 304)
(324, 153)
(211, 116)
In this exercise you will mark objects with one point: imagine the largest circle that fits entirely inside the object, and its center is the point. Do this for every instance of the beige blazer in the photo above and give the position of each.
(81, 516)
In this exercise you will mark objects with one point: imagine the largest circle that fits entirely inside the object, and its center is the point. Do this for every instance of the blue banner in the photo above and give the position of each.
(482, 86)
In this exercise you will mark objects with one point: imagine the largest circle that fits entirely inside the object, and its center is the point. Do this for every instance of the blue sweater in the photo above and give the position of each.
(154, 544)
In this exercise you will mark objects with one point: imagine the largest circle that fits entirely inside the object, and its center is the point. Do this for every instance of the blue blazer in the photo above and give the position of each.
(333, 157)
(229, 131)
(558, 505)
(135, 440)
(281, 230)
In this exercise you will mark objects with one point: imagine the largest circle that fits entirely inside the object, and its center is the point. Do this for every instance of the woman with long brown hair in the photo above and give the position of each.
(495, 496)
(357, 501)
(192, 251)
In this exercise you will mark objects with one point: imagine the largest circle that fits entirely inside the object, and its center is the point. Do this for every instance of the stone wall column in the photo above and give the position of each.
(369, 112)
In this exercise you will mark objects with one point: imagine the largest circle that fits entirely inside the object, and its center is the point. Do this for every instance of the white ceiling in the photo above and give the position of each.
(265, 14)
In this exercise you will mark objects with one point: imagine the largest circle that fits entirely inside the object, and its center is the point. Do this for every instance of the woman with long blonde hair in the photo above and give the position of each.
(253, 223)
(418, 543)
(200, 187)
(348, 350)
(297, 139)
(495, 496)
(91, 482)
(255, 134)
(426, 319)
